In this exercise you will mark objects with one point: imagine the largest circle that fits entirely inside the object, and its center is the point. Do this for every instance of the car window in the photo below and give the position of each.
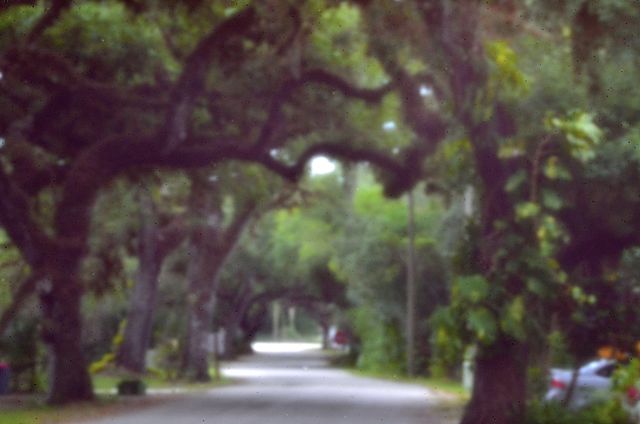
(607, 370)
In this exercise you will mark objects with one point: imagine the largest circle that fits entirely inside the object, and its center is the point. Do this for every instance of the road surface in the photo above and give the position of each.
(296, 388)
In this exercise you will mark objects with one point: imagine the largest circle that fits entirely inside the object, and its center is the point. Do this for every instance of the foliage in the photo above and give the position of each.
(610, 412)
(382, 344)
(534, 107)
(374, 264)
(24, 354)
(168, 358)
(107, 360)
(626, 376)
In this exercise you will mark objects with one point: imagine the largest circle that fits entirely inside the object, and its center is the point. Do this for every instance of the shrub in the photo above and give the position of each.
(382, 347)
(609, 412)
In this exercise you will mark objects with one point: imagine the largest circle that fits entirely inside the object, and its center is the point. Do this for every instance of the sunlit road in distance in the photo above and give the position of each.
(291, 383)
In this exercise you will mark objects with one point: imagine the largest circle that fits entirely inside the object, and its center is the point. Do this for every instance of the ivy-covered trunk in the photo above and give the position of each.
(499, 386)
(69, 378)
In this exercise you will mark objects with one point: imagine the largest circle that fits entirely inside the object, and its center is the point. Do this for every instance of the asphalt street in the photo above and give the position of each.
(296, 388)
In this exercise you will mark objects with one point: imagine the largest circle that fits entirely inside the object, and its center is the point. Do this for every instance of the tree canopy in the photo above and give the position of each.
(528, 111)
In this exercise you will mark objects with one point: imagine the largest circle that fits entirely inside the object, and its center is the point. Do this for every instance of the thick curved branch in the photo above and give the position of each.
(291, 37)
(202, 155)
(427, 124)
(107, 159)
(192, 80)
(170, 236)
(52, 72)
(6, 4)
(15, 218)
(48, 19)
(31, 173)
(232, 232)
(314, 76)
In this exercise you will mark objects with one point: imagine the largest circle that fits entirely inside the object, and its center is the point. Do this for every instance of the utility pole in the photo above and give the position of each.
(275, 320)
(411, 286)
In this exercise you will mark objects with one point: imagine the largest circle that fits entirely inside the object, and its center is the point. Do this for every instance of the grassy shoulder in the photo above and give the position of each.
(23, 409)
(441, 385)
(31, 409)
(104, 383)
(451, 395)
(446, 386)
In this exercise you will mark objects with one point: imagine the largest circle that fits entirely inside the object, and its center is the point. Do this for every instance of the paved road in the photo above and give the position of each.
(295, 388)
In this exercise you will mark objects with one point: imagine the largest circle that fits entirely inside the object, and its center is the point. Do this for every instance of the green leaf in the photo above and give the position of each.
(483, 324)
(554, 171)
(512, 321)
(551, 200)
(516, 180)
(506, 72)
(536, 286)
(527, 210)
(581, 132)
(473, 288)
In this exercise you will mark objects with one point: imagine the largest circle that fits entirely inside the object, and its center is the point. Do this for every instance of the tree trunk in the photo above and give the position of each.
(137, 335)
(202, 272)
(499, 386)
(199, 322)
(252, 321)
(230, 338)
(210, 246)
(325, 335)
(69, 378)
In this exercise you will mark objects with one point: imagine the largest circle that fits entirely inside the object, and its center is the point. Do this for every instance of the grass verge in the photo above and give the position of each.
(31, 409)
(442, 385)
(107, 382)
(450, 399)
(22, 409)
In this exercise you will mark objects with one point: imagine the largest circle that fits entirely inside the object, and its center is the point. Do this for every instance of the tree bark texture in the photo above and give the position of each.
(137, 335)
(131, 354)
(325, 335)
(154, 245)
(238, 306)
(499, 386)
(69, 378)
(203, 270)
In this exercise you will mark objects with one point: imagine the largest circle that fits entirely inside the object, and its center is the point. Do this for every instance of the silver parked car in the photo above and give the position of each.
(592, 384)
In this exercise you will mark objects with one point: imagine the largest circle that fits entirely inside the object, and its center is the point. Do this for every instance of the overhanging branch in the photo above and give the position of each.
(52, 72)
(192, 80)
(15, 218)
(314, 76)
(49, 18)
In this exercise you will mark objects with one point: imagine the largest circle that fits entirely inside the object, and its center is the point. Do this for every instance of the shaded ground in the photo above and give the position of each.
(30, 409)
(300, 388)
